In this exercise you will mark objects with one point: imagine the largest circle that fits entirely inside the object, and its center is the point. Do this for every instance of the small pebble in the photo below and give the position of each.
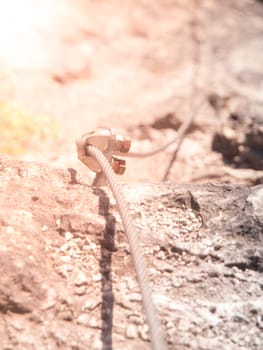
(93, 246)
(137, 320)
(97, 278)
(69, 268)
(177, 282)
(212, 309)
(58, 222)
(65, 258)
(184, 325)
(66, 315)
(80, 290)
(131, 331)
(160, 255)
(80, 279)
(68, 235)
(192, 215)
(130, 283)
(260, 321)
(91, 304)
(160, 207)
(83, 319)
(209, 243)
(135, 297)
(64, 247)
(213, 272)
(194, 279)
(93, 322)
(144, 332)
(10, 230)
(97, 344)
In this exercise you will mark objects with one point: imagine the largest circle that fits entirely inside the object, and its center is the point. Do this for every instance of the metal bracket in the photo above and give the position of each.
(110, 144)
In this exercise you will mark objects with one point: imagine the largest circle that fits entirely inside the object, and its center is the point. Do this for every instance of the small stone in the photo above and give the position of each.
(260, 321)
(135, 297)
(131, 331)
(66, 315)
(91, 304)
(212, 309)
(83, 319)
(68, 235)
(161, 255)
(208, 317)
(217, 246)
(69, 268)
(143, 332)
(185, 222)
(97, 344)
(209, 243)
(17, 324)
(131, 283)
(80, 290)
(240, 318)
(93, 246)
(94, 323)
(51, 298)
(184, 325)
(256, 199)
(192, 215)
(58, 222)
(166, 267)
(212, 290)
(194, 279)
(160, 207)
(184, 231)
(10, 230)
(136, 320)
(156, 249)
(177, 282)
(213, 272)
(44, 228)
(97, 278)
(120, 286)
(80, 279)
(65, 258)
(152, 271)
(64, 247)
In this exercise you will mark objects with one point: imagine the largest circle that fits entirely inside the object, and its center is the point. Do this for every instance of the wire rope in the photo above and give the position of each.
(155, 328)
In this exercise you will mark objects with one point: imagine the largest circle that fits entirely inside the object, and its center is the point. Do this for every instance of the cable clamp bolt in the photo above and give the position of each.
(109, 143)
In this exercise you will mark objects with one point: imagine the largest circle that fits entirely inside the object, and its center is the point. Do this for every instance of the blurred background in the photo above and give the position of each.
(142, 67)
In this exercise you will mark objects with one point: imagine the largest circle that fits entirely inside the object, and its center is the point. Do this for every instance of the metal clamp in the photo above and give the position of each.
(109, 143)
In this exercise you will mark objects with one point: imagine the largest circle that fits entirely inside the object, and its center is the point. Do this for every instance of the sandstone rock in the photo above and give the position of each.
(57, 291)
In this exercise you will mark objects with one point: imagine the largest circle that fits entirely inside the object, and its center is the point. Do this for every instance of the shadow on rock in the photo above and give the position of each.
(107, 248)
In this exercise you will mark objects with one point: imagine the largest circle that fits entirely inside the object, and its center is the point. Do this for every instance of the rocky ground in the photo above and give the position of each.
(67, 277)
(141, 67)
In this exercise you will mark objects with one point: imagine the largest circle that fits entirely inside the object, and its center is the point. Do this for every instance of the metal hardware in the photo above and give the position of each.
(109, 143)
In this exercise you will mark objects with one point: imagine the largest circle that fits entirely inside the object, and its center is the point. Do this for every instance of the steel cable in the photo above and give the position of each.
(182, 131)
(152, 317)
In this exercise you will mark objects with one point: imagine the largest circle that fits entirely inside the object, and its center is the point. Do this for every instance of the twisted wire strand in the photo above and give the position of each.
(153, 321)
(182, 131)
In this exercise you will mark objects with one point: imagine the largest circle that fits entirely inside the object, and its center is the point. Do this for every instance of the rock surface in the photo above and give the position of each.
(240, 138)
(68, 280)
(141, 66)
(67, 276)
